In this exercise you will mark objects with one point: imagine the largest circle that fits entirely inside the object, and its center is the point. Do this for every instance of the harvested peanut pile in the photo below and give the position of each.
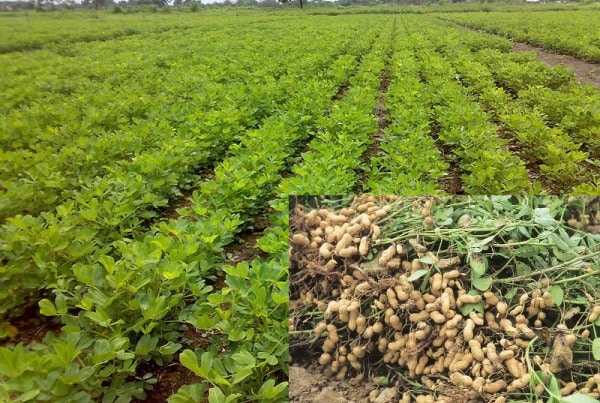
(462, 299)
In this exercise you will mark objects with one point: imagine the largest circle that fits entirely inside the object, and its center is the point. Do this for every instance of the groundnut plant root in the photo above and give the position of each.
(461, 299)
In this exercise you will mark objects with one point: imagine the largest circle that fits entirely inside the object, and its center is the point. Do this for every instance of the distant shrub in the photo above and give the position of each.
(116, 9)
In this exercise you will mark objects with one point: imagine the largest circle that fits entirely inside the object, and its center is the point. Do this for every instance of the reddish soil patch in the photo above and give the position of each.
(451, 183)
(170, 211)
(245, 249)
(586, 72)
(170, 378)
(341, 92)
(31, 326)
(381, 114)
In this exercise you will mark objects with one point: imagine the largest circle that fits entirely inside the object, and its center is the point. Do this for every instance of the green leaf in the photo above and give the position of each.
(478, 265)
(61, 303)
(426, 260)
(189, 394)
(542, 217)
(245, 359)
(124, 355)
(189, 360)
(215, 395)
(47, 308)
(477, 246)
(417, 275)
(103, 351)
(482, 283)
(272, 360)
(382, 381)
(206, 360)
(268, 390)
(29, 395)
(557, 294)
(16, 361)
(99, 316)
(170, 348)
(559, 242)
(554, 388)
(171, 271)
(241, 374)
(596, 348)
(240, 270)
(522, 269)
(109, 263)
(579, 398)
(145, 345)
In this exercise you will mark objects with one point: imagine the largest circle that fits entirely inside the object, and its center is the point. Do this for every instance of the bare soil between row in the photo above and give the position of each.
(586, 72)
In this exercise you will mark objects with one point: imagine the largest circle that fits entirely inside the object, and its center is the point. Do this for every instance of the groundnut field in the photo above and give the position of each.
(147, 159)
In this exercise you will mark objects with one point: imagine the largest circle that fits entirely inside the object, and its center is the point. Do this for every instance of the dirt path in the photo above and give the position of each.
(586, 73)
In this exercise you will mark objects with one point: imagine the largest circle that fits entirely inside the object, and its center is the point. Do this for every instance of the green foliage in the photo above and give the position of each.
(96, 149)
(540, 28)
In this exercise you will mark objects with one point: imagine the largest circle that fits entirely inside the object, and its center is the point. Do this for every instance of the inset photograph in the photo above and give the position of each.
(445, 299)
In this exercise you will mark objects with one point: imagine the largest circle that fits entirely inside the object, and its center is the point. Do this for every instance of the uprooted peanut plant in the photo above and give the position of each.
(472, 299)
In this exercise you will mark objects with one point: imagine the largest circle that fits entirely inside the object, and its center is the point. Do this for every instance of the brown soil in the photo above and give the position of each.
(245, 249)
(381, 114)
(31, 327)
(170, 211)
(586, 72)
(170, 378)
(309, 385)
(341, 92)
(451, 183)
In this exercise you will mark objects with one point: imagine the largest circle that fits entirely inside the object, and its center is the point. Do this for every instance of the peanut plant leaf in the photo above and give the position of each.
(482, 283)
(557, 294)
(478, 265)
(579, 398)
(417, 275)
(596, 348)
(189, 360)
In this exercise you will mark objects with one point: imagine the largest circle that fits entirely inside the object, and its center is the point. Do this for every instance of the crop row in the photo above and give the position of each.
(566, 31)
(29, 31)
(332, 163)
(465, 95)
(458, 121)
(115, 205)
(408, 161)
(48, 156)
(511, 86)
(465, 127)
(128, 305)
